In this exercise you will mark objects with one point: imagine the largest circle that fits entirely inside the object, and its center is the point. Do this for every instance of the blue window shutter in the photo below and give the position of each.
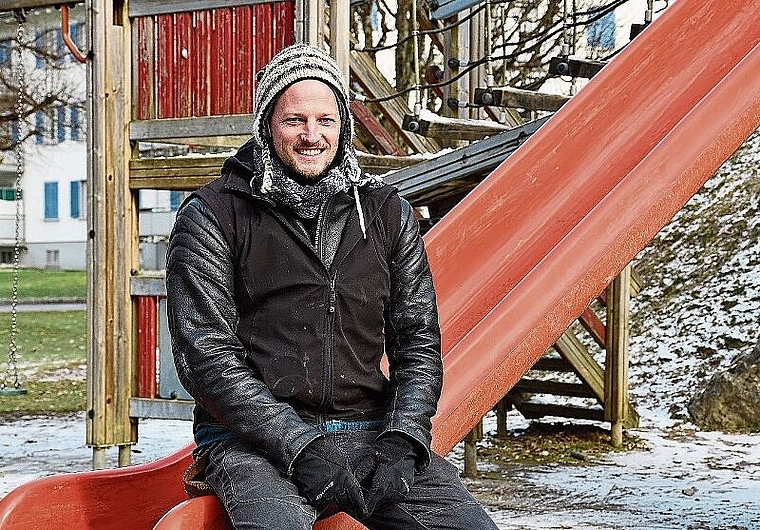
(60, 48)
(14, 131)
(39, 123)
(60, 123)
(39, 43)
(51, 200)
(5, 53)
(74, 124)
(175, 198)
(74, 199)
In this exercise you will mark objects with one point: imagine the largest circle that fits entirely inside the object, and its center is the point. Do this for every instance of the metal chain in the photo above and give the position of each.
(11, 373)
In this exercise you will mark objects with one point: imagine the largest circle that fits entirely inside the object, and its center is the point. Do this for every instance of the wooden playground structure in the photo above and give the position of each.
(516, 261)
(182, 73)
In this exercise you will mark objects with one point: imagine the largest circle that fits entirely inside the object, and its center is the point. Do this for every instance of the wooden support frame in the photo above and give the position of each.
(112, 248)
(616, 373)
(608, 385)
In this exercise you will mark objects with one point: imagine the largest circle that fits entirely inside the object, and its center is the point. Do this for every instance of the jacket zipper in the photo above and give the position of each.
(327, 352)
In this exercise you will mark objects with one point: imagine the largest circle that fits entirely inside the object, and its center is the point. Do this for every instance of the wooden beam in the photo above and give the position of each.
(372, 127)
(573, 351)
(594, 326)
(183, 128)
(556, 388)
(191, 172)
(434, 126)
(518, 98)
(375, 85)
(552, 363)
(532, 410)
(616, 374)
(143, 8)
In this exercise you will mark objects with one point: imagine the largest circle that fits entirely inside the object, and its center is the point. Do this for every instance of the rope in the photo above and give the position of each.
(11, 374)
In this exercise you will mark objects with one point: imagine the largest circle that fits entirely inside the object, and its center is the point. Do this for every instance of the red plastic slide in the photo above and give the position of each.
(524, 254)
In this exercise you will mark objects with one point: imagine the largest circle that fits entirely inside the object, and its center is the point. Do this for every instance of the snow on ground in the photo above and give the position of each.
(698, 311)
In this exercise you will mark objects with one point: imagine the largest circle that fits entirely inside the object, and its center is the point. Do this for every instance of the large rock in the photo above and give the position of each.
(731, 400)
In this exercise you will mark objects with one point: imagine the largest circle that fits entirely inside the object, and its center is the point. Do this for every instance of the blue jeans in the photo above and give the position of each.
(256, 495)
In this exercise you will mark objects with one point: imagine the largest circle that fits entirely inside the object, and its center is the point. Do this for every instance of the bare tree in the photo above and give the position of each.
(48, 82)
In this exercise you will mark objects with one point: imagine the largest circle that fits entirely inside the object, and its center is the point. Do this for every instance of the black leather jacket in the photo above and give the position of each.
(241, 371)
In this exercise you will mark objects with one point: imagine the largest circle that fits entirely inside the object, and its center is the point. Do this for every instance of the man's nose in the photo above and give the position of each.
(310, 132)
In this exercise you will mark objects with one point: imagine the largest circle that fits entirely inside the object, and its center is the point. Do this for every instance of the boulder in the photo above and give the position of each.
(730, 401)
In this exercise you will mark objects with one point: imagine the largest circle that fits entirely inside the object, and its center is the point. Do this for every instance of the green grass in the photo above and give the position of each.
(49, 344)
(37, 284)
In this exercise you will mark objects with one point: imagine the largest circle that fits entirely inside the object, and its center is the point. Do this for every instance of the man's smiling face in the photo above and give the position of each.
(305, 126)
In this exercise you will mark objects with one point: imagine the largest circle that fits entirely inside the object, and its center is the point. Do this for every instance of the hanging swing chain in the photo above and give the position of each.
(11, 374)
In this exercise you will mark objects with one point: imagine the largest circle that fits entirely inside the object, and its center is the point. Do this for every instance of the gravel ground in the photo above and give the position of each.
(683, 480)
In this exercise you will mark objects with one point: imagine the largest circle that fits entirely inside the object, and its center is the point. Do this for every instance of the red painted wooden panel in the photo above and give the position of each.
(242, 69)
(147, 342)
(203, 63)
(221, 61)
(145, 87)
(263, 34)
(201, 101)
(182, 53)
(165, 66)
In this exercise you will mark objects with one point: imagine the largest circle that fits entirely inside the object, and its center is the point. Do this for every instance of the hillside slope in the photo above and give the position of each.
(700, 307)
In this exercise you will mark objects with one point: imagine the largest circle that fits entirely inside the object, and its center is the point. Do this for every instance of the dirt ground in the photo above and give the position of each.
(542, 477)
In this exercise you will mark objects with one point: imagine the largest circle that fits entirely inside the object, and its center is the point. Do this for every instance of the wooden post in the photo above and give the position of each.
(616, 370)
(471, 450)
(308, 27)
(340, 28)
(112, 242)
(502, 408)
(477, 50)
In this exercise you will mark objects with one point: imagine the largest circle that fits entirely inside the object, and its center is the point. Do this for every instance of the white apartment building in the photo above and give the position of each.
(53, 206)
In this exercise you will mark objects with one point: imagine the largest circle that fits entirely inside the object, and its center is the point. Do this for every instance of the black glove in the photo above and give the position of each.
(387, 473)
(323, 476)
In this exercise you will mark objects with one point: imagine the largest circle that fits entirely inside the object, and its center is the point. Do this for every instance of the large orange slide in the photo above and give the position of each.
(525, 253)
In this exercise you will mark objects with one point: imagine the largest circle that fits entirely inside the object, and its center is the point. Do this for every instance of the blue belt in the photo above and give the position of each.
(349, 425)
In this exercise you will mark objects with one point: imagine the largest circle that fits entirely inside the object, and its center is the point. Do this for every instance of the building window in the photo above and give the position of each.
(74, 124)
(78, 199)
(39, 44)
(60, 123)
(175, 199)
(39, 126)
(51, 201)
(601, 32)
(52, 259)
(7, 193)
(76, 31)
(14, 132)
(5, 53)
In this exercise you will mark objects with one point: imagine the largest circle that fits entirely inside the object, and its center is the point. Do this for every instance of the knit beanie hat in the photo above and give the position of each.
(290, 65)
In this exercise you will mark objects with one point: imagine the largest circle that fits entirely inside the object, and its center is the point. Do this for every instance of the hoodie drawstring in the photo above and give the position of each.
(360, 211)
